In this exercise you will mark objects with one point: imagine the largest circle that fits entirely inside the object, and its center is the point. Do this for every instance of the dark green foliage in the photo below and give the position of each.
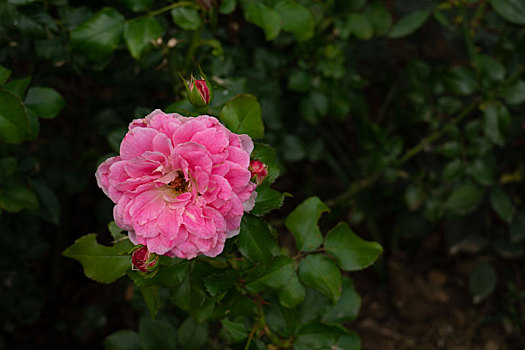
(398, 119)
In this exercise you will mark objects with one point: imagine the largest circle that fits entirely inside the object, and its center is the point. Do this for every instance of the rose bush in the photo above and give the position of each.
(180, 184)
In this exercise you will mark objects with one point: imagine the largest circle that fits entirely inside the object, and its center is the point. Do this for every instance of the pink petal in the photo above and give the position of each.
(136, 142)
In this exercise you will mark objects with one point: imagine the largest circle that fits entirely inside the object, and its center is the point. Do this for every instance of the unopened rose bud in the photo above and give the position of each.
(259, 171)
(199, 91)
(144, 261)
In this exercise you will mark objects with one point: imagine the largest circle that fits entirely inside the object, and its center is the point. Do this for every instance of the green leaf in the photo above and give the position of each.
(482, 281)
(349, 341)
(461, 81)
(360, 25)
(279, 319)
(450, 149)
(151, 298)
(115, 231)
(242, 115)
(464, 199)
(409, 23)
(227, 6)
(347, 307)
(182, 294)
(18, 86)
(514, 94)
(440, 17)
(278, 275)
(496, 118)
(20, 2)
(317, 336)
(137, 5)
(489, 69)
(255, 240)
(293, 293)
(507, 249)
(266, 154)
(517, 228)
(14, 121)
(8, 168)
(16, 198)
(4, 74)
(452, 170)
(99, 36)
(351, 252)
(483, 170)
(380, 18)
(101, 263)
(192, 334)
(123, 340)
(321, 273)
(511, 10)
(299, 80)
(501, 204)
(267, 200)
(30, 24)
(44, 102)
(156, 335)
(234, 332)
(186, 17)
(219, 283)
(353, 5)
(263, 17)
(50, 204)
(314, 306)
(139, 34)
(302, 223)
(296, 19)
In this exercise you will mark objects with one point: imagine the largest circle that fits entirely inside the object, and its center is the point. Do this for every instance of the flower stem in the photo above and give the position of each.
(171, 7)
(438, 133)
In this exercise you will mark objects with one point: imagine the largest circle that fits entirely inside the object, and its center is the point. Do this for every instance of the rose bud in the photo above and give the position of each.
(259, 171)
(199, 91)
(144, 261)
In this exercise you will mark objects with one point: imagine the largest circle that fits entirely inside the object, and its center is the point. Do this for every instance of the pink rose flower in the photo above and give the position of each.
(180, 184)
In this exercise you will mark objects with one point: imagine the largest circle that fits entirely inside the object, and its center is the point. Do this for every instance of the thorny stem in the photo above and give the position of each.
(260, 323)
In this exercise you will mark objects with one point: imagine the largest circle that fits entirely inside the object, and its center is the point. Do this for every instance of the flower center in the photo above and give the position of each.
(179, 184)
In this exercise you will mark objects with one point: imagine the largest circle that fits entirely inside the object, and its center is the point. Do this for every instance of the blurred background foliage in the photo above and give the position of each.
(405, 117)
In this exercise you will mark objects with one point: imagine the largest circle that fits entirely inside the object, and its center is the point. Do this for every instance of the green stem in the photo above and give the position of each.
(252, 333)
(355, 188)
(438, 133)
(260, 323)
(362, 184)
(191, 51)
(388, 99)
(358, 186)
(301, 255)
(467, 35)
(171, 7)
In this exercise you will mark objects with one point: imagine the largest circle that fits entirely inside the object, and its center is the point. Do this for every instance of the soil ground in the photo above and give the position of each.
(425, 304)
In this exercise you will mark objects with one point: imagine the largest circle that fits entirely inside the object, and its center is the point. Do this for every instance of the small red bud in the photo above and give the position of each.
(199, 91)
(143, 260)
(203, 89)
(259, 171)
